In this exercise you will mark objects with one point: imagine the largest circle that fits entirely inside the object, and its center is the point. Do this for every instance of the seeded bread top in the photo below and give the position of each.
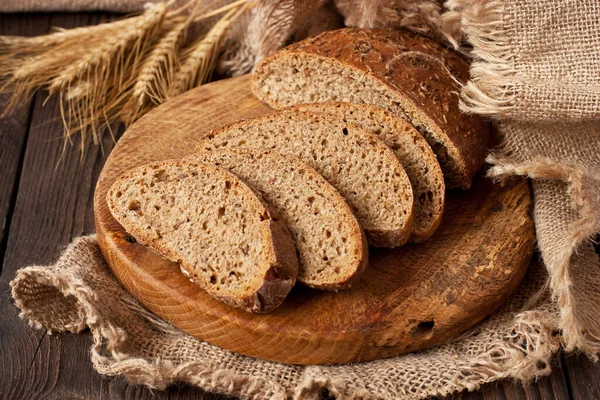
(426, 76)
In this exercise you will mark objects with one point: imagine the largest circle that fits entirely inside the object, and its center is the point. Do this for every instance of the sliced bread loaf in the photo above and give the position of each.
(363, 169)
(412, 150)
(400, 71)
(332, 248)
(227, 239)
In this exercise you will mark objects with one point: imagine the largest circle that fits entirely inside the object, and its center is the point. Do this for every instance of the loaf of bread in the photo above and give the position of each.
(405, 73)
(223, 234)
(412, 150)
(332, 248)
(357, 163)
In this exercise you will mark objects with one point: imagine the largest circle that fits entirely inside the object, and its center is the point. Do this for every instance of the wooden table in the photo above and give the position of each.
(45, 203)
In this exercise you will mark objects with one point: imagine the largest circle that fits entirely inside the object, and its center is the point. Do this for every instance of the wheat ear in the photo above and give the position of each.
(113, 49)
(200, 58)
(117, 70)
(157, 71)
(110, 70)
(13, 45)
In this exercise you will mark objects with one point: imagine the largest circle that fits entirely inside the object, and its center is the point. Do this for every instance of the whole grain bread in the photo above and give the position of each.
(403, 72)
(412, 150)
(332, 248)
(357, 163)
(226, 238)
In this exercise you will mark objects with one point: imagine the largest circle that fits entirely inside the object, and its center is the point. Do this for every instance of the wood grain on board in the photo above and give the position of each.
(409, 298)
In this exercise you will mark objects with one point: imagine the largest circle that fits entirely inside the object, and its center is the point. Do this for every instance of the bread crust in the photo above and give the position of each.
(281, 264)
(421, 71)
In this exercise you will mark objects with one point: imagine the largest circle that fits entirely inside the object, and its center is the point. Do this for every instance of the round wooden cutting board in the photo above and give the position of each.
(408, 298)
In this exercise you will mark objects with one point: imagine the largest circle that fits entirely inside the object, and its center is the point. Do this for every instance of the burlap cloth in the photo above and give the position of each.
(536, 71)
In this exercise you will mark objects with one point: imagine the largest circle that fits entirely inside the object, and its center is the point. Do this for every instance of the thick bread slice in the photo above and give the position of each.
(412, 150)
(400, 71)
(332, 248)
(225, 237)
(363, 169)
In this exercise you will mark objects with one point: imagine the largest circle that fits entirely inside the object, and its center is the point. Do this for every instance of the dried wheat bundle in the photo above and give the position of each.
(115, 71)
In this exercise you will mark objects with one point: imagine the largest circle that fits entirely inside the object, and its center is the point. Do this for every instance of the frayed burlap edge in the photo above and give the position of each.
(517, 70)
(492, 89)
(524, 355)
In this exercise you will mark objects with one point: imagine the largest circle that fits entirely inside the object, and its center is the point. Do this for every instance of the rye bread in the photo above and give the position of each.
(403, 72)
(226, 238)
(412, 150)
(332, 248)
(357, 163)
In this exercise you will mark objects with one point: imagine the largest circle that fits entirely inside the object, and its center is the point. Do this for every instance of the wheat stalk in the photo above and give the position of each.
(161, 60)
(113, 49)
(221, 10)
(158, 71)
(200, 58)
(30, 68)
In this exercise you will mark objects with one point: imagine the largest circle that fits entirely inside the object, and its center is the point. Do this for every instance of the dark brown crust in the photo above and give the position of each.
(279, 277)
(409, 63)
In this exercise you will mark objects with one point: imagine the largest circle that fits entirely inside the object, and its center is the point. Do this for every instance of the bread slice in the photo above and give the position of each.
(405, 73)
(227, 239)
(332, 248)
(412, 150)
(363, 169)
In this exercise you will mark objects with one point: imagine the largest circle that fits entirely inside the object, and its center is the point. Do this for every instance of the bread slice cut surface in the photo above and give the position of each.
(332, 249)
(363, 169)
(412, 150)
(407, 74)
(224, 235)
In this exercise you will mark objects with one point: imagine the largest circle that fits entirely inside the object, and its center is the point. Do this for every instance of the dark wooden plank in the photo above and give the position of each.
(583, 376)
(14, 127)
(181, 392)
(549, 387)
(50, 209)
(118, 389)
